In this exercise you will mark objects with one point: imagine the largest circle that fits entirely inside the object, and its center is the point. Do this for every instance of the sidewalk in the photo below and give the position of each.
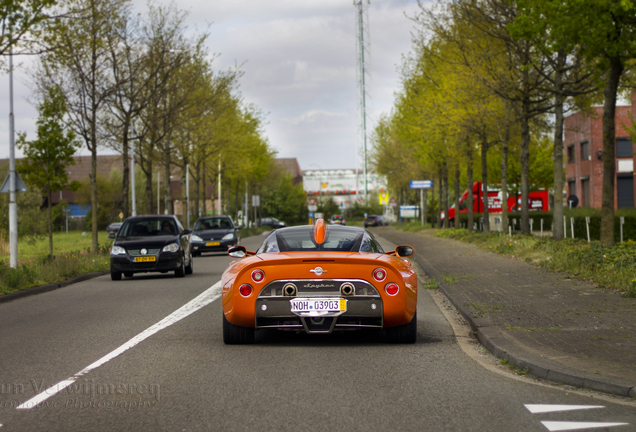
(561, 329)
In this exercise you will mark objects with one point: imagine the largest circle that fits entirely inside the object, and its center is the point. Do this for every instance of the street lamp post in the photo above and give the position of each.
(188, 195)
(13, 206)
(132, 180)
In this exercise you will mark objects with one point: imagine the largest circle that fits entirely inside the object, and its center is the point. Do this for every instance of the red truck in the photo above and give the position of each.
(538, 201)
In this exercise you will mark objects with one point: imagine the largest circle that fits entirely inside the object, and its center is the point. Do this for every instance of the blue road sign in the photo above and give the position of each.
(421, 184)
(311, 215)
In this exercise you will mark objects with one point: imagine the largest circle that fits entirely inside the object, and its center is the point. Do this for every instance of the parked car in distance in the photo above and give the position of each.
(113, 227)
(373, 220)
(319, 279)
(214, 234)
(337, 220)
(272, 222)
(151, 244)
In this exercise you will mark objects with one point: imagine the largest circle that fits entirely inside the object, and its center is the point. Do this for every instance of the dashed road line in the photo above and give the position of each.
(205, 298)
(568, 426)
(544, 408)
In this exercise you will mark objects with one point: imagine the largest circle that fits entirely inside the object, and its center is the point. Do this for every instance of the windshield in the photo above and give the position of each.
(339, 239)
(213, 223)
(148, 227)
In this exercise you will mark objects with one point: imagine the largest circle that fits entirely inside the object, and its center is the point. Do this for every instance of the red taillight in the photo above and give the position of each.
(258, 276)
(245, 290)
(391, 288)
(379, 274)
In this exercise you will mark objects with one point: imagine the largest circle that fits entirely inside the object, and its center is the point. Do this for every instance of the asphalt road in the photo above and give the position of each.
(133, 369)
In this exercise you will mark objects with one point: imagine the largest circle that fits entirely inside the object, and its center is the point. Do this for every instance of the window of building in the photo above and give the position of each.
(585, 153)
(624, 148)
(571, 157)
(571, 187)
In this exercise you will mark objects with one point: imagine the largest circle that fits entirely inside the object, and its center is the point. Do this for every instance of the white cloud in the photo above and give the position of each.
(299, 59)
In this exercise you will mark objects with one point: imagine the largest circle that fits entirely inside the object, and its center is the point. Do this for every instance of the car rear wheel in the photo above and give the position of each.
(115, 275)
(403, 334)
(190, 267)
(236, 335)
(180, 272)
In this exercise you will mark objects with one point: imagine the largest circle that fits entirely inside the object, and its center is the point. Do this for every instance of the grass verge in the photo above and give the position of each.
(609, 266)
(49, 270)
(412, 226)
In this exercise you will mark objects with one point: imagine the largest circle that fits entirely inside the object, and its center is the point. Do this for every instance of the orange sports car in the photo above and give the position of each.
(319, 279)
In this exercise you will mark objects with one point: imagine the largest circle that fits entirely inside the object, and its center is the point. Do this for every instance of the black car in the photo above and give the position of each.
(151, 244)
(214, 234)
(114, 227)
(272, 223)
(337, 220)
(373, 220)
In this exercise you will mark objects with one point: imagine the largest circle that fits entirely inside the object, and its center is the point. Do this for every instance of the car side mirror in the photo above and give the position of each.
(239, 227)
(404, 251)
(186, 232)
(238, 252)
(112, 235)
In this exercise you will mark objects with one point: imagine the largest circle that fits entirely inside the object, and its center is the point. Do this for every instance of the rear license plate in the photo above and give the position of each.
(213, 244)
(144, 259)
(309, 305)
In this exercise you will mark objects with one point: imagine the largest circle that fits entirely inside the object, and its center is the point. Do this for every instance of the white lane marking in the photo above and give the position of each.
(545, 408)
(205, 298)
(566, 426)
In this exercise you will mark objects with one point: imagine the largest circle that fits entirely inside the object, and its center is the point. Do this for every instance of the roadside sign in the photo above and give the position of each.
(256, 200)
(312, 204)
(319, 215)
(392, 202)
(421, 184)
(311, 215)
(409, 211)
(19, 184)
(384, 198)
(121, 215)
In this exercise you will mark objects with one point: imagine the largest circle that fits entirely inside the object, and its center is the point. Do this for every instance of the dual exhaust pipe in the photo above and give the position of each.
(346, 289)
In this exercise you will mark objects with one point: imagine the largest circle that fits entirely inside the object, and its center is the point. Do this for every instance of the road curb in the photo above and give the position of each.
(501, 347)
(49, 287)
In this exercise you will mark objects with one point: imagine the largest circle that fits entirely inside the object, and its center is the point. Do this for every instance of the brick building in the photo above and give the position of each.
(583, 147)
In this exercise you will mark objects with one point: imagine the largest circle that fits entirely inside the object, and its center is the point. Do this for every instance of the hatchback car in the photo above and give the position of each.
(113, 227)
(272, 222)
(373, 220)
(214, 234)
(337, 220)
(151, 244)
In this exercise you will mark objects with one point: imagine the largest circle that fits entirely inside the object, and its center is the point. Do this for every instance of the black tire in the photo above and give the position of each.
(180, 272)
(404, 334)
(115, 275)
(190, 267)
(196, 254)
(236, 335)
(128, 274)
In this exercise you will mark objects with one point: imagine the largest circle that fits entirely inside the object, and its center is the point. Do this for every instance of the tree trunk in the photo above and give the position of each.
(557, 210)
(93, 179)
(484, 183)
(456, 223)
(445, 171)
(469, 180)
(51, 224)
(504, 171)
(609, 140)
(525, 166)
(197, 189)
(149, 195)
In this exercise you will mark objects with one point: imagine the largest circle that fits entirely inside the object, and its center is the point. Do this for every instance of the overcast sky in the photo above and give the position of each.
(299, 63)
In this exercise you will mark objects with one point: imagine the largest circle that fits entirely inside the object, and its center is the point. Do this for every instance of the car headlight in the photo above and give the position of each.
(172, 247)
(118, 250)
(229, 236)
(195, 238)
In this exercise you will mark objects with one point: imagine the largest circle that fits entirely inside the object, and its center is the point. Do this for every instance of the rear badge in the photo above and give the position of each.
(318, 271)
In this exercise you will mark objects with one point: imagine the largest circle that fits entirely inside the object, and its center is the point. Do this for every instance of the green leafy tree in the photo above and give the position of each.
(48, 156)
(285, 201)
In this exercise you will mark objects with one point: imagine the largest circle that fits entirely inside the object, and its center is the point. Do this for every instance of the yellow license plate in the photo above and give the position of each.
(213, 244)
(144, 259)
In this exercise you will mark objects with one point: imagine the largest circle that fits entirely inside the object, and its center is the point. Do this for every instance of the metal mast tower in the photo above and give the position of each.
(362, 37)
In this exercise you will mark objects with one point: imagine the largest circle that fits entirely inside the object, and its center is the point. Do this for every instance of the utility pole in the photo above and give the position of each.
(188, 194)
(220, 205)
(13, 205)
(132, 180)
(362, 95)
